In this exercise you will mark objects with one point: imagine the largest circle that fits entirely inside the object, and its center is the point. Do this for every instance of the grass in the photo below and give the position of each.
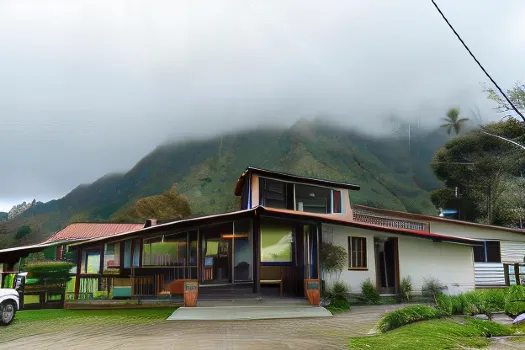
(31, 322)
(435, 334)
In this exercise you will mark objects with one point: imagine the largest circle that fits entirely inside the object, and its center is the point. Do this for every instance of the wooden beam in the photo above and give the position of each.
(77, 277)
(256, 254)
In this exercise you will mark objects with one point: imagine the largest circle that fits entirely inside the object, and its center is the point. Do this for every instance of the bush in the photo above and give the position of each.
(444, 303)
(369, 292)
(432, 287)
(407, 315)
(515, 300)
(489, 329)
(338, 295)
(50, 273)
(405, 289)
(472, 303)
(22, 232)
(332, 258)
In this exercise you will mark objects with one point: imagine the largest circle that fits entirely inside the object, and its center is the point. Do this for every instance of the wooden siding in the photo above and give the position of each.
(489, 274)
(512, 251)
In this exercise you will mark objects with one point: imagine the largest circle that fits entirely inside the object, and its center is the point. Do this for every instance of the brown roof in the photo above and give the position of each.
(291, 178)
(84, 231)
(282, 213)
(421, 217)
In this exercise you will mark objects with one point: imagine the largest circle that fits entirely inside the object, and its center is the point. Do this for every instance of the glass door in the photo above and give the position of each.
(216, 261)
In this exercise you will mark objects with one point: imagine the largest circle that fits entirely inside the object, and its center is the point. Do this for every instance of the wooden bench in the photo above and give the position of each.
(272, 275)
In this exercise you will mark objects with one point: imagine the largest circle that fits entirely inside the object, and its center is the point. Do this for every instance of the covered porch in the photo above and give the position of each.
(231, 256)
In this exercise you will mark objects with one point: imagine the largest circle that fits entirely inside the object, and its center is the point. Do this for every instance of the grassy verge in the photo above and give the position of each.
(33, 322)
(435, 334)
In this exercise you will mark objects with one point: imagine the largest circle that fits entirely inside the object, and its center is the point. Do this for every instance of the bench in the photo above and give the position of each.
(272, 275)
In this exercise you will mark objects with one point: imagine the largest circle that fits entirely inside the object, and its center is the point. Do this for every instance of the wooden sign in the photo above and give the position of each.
(313, 292)
(191, 293)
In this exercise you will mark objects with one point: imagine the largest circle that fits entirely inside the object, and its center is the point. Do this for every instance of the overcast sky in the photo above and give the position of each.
(89, 87)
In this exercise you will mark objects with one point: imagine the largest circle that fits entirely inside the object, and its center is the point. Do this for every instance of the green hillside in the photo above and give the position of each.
(205, 171)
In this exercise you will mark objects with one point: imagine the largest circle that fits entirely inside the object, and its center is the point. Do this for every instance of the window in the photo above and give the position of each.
(336, 198)
(111, 255)
(276, 242)
(136, 252)
(165, 251)
(127, 254)
(313, 199)
(357, 253)
(488, 252)
(90, 261)
(273, 193)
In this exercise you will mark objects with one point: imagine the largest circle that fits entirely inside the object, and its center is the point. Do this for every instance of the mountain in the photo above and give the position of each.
(19, 209)
(3, 216)
(391, 174)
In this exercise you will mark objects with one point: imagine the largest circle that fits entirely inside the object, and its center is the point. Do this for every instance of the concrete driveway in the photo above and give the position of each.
(318, 333)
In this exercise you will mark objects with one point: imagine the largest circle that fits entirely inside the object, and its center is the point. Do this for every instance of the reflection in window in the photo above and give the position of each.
(136, 252)
(167, 251)
(90, 261)
(313, 199)
(273, 193)
(111, 255)
(243, 251)
(276, 242)
(127, 254)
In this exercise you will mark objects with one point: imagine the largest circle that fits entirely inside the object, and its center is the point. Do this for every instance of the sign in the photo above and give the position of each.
(312, 285)
(190, 286)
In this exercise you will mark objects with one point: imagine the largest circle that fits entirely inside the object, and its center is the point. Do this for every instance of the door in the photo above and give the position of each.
(387, 265)
(216, 258)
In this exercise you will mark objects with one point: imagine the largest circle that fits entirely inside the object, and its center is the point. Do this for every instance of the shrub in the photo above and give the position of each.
(444, 303)
(50, 273)
(515, 300)
(432, 287)
(407, 315)
(338, 295)
(405, 289)
(22, 232)
(369, 292)
(489, 329)
(332, 258)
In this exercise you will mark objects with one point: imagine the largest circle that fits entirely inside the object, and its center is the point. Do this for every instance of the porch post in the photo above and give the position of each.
(77, 278)
(256, 254)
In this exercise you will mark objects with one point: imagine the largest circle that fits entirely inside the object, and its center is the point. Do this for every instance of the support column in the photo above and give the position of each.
(256, 254)
(77, 278)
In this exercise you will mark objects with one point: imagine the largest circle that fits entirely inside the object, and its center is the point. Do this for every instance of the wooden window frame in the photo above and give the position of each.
(363, 265)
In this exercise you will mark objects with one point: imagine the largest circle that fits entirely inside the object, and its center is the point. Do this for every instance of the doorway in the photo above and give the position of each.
(216, 259)
(387, 264)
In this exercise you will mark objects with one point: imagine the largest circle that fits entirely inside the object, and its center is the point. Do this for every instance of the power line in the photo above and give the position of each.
(479, 64)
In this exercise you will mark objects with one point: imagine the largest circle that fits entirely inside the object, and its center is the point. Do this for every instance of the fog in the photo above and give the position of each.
(89, 87)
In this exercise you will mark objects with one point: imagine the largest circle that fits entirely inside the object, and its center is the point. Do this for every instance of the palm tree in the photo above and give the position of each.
(453, 121)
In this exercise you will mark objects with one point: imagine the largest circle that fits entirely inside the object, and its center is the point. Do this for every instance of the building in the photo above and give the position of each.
(273, 240)
(501, 247)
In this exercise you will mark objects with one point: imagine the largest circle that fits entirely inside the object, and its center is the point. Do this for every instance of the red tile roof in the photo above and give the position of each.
(83, 231)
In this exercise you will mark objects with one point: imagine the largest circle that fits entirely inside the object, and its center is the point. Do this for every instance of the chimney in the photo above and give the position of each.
(150, 222)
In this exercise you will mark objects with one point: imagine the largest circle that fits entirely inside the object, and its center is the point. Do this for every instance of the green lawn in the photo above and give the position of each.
(436, 334)
(31, 322)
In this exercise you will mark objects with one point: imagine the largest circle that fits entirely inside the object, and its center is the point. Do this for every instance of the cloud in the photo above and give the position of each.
(89, 87)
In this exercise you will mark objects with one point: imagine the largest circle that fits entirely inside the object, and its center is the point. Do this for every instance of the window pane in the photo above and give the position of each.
(93, 262)
(276, 242)
(111, 255)
(136, 252)
(127, 254)
(273, 193)
(479, 254)
(312, 199)
(357, 251)
(493, 252)
(337, 201)
(243, 251)
(170, 252)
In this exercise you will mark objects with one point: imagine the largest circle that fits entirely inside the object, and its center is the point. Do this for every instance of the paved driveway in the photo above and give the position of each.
(320, 333)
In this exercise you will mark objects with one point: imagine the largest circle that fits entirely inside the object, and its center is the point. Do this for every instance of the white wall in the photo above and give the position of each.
(470, 231)
(338, 235)
(452, 264)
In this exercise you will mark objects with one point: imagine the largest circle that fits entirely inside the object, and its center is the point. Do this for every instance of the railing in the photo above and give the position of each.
(390, 222)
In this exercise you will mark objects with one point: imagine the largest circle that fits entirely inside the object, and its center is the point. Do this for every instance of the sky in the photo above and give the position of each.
(90, 87)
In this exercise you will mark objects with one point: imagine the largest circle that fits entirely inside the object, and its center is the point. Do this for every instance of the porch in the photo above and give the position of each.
(255, 257)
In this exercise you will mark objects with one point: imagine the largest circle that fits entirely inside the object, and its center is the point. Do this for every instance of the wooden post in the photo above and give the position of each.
(256, 254)
(517, 272)
(506, 274)
(77, 278)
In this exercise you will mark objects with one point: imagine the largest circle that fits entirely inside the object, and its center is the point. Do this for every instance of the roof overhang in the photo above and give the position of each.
(15, 253)
(290, 178)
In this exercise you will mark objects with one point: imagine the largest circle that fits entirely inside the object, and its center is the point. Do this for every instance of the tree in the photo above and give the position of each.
(169, 205)
(453, 121)
(480, 168)
(22, 232)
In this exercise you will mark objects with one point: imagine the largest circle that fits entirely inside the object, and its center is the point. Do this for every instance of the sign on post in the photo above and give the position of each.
(191, 293)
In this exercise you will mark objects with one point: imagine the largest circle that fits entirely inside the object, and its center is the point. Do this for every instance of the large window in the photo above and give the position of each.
(357, 253)
(273, 193)
(488, 252)
(90, 263)
(276, 242)
(243, 250)
(313, 199)
(127, 254)
(165, 251)
(111, 255)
